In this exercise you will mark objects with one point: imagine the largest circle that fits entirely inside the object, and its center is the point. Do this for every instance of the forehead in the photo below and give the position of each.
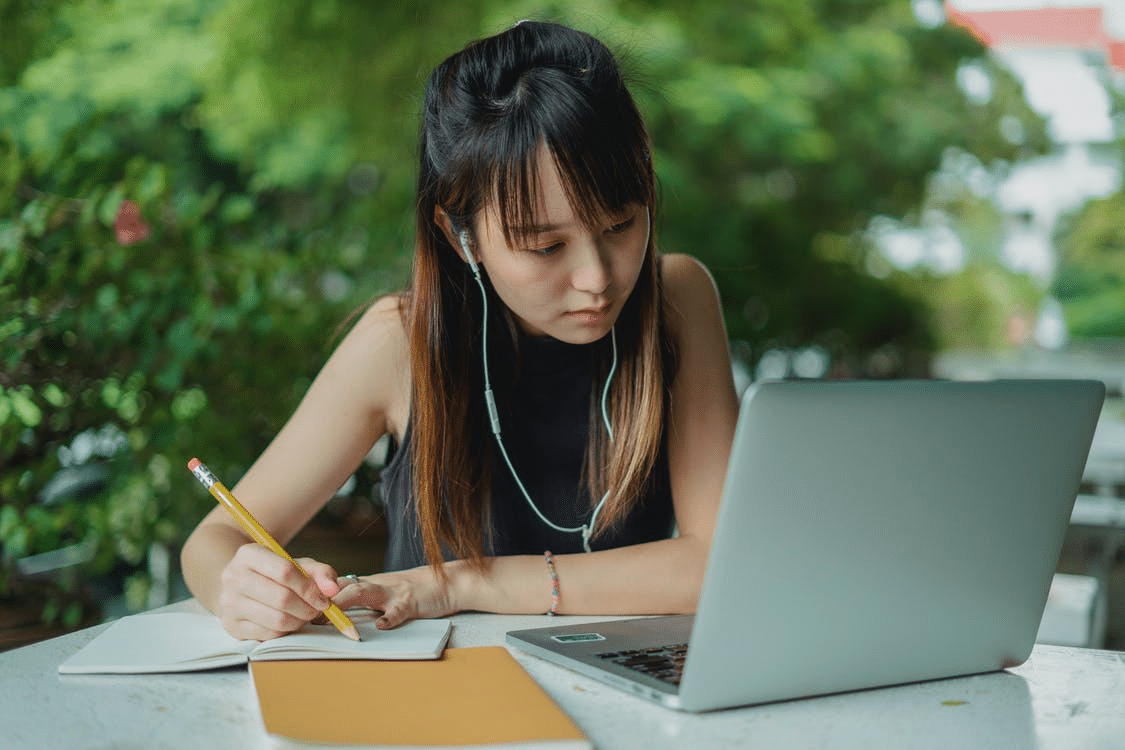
(538, 202)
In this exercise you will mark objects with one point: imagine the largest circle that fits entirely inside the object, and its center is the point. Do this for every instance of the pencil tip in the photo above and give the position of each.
(353, 633)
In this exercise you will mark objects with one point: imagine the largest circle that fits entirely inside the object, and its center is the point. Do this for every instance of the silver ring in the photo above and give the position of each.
(352, 577)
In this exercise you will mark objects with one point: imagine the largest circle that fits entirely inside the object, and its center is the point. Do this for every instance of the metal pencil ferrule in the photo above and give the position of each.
(204, 475)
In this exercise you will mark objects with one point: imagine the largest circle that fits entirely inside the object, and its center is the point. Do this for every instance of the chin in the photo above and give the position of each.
(581, 334)
(571, 330)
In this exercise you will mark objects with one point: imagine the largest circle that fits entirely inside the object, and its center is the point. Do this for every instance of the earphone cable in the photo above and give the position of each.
(494, 417)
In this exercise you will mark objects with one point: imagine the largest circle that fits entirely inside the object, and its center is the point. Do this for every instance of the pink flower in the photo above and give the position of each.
(128, 226)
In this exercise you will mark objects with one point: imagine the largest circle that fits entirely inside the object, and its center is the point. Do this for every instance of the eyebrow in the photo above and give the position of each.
(529, 230)
(526, 230)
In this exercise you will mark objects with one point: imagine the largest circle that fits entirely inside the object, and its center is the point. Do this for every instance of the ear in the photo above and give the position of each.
(452, 233)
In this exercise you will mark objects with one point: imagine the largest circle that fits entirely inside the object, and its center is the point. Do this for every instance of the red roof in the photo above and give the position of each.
(1075, 28)
(1117, 54)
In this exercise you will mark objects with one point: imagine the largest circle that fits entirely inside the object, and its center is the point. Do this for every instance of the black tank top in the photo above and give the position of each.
(544, 428)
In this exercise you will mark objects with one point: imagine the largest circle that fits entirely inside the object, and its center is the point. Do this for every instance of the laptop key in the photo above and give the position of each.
(665, 663)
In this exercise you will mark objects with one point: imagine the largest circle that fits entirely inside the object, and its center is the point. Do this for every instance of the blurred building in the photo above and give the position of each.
(1069, 56)
(1066, 54)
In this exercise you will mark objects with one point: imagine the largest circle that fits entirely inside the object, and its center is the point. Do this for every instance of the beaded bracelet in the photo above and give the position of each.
(554, 610)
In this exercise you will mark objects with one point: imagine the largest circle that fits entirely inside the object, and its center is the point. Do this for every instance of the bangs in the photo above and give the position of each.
(602, 168)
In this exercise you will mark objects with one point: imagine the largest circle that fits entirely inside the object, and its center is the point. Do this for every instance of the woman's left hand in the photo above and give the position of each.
(401, 596)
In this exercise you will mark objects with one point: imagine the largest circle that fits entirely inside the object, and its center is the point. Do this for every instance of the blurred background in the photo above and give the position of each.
(195, 194)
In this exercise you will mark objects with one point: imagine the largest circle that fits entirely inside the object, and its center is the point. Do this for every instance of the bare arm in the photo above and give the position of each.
(656, 577)
(257, 594)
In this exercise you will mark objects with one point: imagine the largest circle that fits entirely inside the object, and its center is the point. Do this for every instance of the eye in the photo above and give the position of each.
(622, 226)
(549, 250)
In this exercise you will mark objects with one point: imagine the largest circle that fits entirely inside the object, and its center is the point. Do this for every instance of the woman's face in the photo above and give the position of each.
(563, 279)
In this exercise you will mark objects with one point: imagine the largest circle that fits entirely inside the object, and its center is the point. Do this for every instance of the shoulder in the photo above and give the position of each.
(694, 316)
(373, 359)
(380, 329)
(383, 320)
(689, 288)
(682, 265)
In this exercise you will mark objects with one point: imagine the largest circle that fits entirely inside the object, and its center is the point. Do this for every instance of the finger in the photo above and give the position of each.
(393, 616)
(348, 598)
(399, 609)
(344, 583)
(245, 587)
(350, 579)
(298, 580)
(282, 571)
(257, 621)
(323, 575)
(360, 594)
(244, 630)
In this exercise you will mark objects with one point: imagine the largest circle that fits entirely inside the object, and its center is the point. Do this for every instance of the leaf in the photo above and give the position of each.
(9, 521)
(154, 183)
(107, 298)
(50, 612)
(5, 407)
(34, 217)
(17, 542)
(181, 339)
(237, 208)
(25, 409)
(72, 615)
(107, 209)
(54, 396)
(170, 378)
(11, 235)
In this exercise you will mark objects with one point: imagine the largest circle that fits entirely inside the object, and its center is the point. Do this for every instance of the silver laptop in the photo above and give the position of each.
(871, 533)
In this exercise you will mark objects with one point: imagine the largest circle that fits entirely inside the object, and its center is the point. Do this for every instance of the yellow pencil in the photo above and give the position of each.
(262, 537)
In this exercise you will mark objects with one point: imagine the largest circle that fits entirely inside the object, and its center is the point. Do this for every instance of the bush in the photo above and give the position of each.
(153, 309)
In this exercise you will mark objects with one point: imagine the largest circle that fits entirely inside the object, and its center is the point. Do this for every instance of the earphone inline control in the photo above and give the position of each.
(494, 417)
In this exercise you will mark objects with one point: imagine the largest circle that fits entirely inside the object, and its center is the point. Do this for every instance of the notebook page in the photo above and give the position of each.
(160, 642)
(417, 639)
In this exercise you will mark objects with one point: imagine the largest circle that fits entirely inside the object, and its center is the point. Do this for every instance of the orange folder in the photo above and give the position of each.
(471, 696)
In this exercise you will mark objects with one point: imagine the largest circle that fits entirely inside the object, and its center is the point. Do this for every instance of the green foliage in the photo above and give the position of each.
(27, 28)
(1090, 282)
(151, 289)
(311, 89)
(783, 129)
(195, 193)
(1091, 279)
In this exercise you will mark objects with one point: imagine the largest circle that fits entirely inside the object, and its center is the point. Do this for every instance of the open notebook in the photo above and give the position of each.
(189, 641)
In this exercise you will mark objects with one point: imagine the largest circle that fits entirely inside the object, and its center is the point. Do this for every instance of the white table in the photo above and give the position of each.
(1061, 698)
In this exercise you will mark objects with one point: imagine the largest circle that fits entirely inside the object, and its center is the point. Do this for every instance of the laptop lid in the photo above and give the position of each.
(874, 533)
(870, 533)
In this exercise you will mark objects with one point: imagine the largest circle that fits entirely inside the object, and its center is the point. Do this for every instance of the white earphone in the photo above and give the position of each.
(494, 418)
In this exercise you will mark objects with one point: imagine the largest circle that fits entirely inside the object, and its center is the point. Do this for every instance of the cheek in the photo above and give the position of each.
(631, 269)
(523, 289)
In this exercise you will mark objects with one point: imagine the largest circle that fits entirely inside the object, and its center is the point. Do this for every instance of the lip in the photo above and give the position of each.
(590, 314)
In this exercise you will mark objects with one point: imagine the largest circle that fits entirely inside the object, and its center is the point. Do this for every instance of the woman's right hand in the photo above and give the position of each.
(263, 596)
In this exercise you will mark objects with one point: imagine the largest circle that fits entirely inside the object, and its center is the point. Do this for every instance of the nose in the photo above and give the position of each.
(591, 272)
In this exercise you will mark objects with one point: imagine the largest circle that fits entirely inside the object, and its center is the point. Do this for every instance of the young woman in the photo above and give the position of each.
(559, 393)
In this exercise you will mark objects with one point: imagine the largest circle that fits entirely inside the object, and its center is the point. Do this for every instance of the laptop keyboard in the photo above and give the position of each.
(665, 663)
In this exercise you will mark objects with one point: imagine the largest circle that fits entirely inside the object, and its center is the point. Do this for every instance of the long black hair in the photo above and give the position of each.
(487, 112)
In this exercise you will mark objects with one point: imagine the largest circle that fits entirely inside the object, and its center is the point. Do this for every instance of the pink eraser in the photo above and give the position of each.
(192, 464)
